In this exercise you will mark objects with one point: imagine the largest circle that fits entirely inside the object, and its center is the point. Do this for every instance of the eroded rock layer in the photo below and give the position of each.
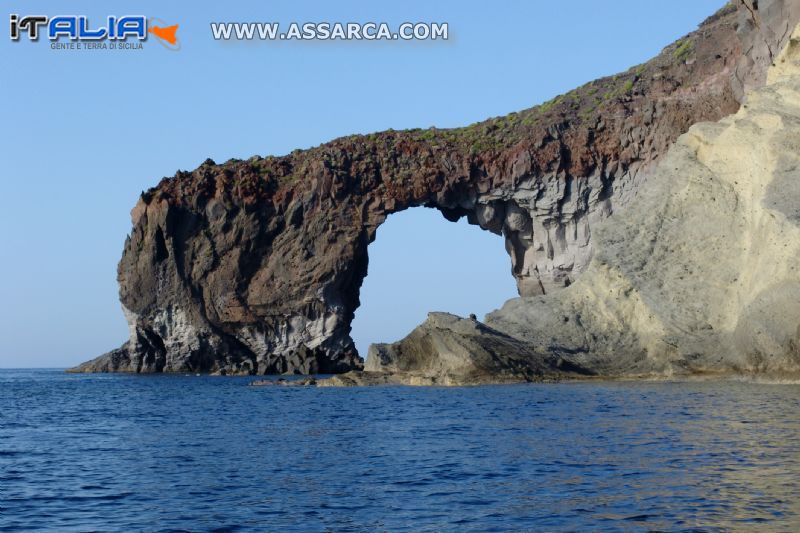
(701, 275)
(255, 266)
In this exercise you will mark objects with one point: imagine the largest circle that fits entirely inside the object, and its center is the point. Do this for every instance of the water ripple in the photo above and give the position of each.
(177, 453)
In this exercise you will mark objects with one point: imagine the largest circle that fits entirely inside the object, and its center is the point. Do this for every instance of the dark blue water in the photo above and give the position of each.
(115, 452)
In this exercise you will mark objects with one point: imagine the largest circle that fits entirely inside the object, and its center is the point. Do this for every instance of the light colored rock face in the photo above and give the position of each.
(547, 220)
(703, 271)
(255, 266)
(699, 274)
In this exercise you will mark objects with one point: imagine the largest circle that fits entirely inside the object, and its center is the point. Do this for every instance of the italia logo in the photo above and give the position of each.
(135, 28)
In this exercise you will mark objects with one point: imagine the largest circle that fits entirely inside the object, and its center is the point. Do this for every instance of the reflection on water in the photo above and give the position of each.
(151, 452)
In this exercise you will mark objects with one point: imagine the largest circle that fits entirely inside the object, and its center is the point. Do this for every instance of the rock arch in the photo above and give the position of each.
(420, 261)
(255, 266)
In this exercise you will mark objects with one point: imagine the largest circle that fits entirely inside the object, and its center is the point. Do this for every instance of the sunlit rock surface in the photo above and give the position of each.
(254, 267)
(700, 276)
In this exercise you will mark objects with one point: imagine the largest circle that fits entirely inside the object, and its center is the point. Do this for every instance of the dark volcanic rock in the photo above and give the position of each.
(255, 266)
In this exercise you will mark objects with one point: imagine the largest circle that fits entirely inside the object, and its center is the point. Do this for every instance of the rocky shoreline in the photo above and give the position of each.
(365, 378)
(637, 249)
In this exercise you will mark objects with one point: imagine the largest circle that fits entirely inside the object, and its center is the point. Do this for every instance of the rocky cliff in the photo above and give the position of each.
(255, 266)
(700, 276)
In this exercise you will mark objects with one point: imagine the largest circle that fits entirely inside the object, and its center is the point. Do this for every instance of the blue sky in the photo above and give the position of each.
(82, 133)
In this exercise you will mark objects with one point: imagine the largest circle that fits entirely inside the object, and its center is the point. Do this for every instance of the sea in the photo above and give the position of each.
(203, 453)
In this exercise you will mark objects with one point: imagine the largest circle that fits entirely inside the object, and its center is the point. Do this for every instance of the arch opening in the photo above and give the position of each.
(421, 261)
